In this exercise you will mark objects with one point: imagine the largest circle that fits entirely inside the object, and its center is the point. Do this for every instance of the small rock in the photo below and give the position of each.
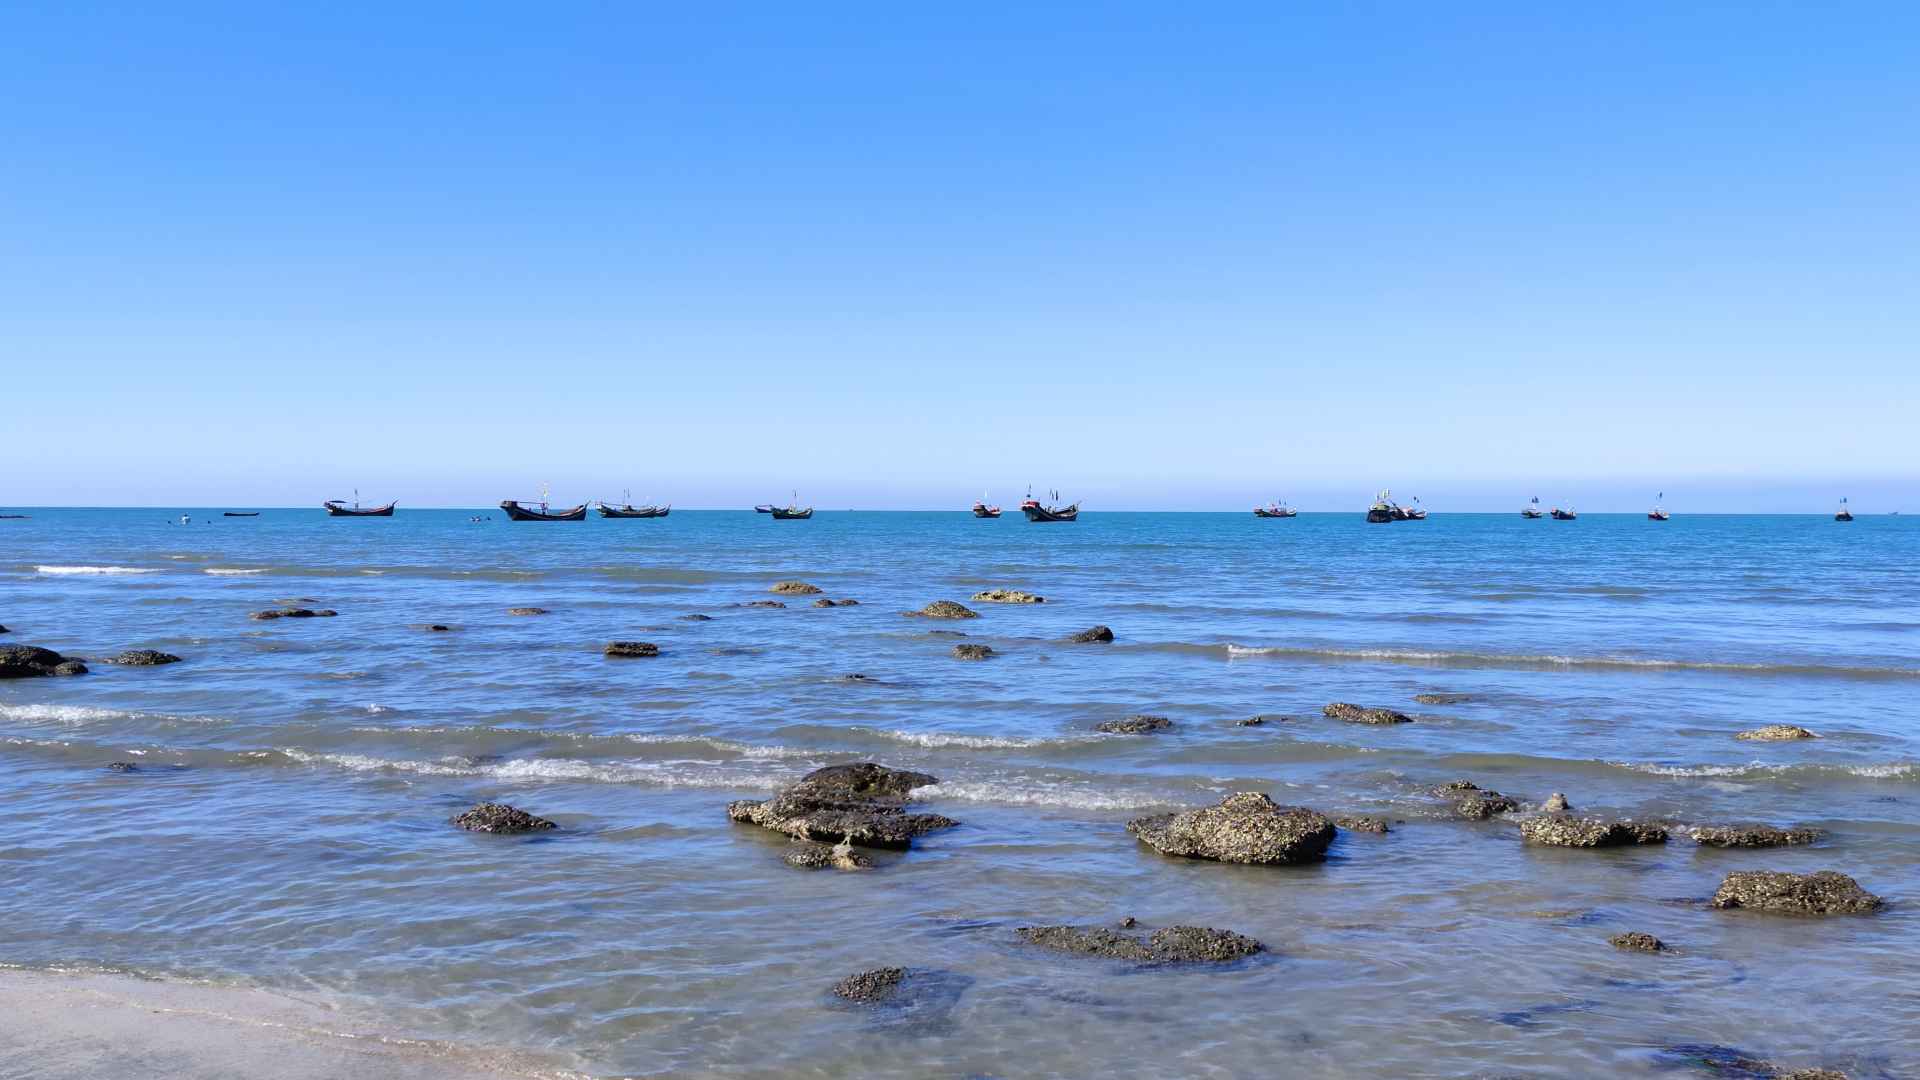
(1363, 824)
(1169, 945)
(811, 855)
(1635, 941)
(293, 613)
(526, 611)
(1556, 804)
(122, 766)
(1752, 836)
(1251, 721)
(763, 603)
(946, 633)
(1355, 714)
(69, 667)
(1246, 827)
(796, 588)
(824, 602)
(1091, 635)
(870, 987)
(1823, 893)
(1007, 596)
(1443, 699)
(144, 658)
(1776, 733)
(632, 648)
(972, 652)
(695, 616)
(501, 818)
(1134, 725)
(1481, 805)
(946, 609)
(439, 628)
(1559, 830)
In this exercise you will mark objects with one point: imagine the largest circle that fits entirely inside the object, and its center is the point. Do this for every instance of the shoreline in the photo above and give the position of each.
(82, 1025)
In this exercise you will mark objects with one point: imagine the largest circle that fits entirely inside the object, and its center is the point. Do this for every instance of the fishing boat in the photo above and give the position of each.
(241, 513)
(1039, 513)
(1275, 509)
(626, 509)
(340, 508)
(516, 511)
(1531, 511)
(763, 508)
(982, 510)
(793, 511)
(1843, 514)
(1563, 515)
(1658, 513)
(1410, 513)
(1382, 510)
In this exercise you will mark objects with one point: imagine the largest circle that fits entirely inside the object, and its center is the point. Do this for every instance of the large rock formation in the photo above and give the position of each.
(31, 661)
(1562, 830)
(1823, 893)
(1246, 827)
(860, 804)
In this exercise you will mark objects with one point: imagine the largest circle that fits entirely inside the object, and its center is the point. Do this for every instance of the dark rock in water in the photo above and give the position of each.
(122, 766)
(809, 855)
(1134, 725)
(796, 588)
(860, 804)
(972, 652)
(1560, 830)
(762, 603)
(1776, 733)
(1247, 827)
(870, 987)
(1251, 721)
(1090, 636)
(857, 677)
(1007, 596)
(697, 617)
(526, 611)
(144, 658)
(1752, 835)
(439, 628)
(946, 633)
(632, 648)
(30, 661)
(1720, 1061)
(1474, 803)
(1169, 945)
(308, 613)
(946, 609)
(1355, 714)
(1362, 823)
(1823, 893)
(1443, 699)
(824, 602)
(1635, 941)
(501, 818)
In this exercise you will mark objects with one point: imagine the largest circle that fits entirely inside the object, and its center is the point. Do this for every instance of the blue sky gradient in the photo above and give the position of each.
(891, 257)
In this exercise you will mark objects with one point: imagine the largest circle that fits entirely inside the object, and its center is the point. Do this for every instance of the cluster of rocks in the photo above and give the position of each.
(946, 609)
(1007, 596)
(1356, 714)
(632, 648)
(30, 661)
(501, 818)
(328, 613)
(863, 804)
(1246, 827)
(1138, 724)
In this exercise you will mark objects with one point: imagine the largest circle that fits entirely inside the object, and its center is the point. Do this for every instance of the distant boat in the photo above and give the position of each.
(1658, 513)
(1410, 513)
(793, 511)
(763, 508)
(1563, 515)
(241, 513)
(1382, 510)
(1843, 514)
(1532, 509)
(13, 517)
(1275, 509)
(339, 508)
(1038, 513)
(517, 512)
(626, 509)
(982, 510)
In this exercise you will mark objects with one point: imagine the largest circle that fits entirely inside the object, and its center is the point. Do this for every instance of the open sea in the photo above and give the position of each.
(287, 827)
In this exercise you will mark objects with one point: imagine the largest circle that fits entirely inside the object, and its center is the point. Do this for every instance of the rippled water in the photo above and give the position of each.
(288, 825)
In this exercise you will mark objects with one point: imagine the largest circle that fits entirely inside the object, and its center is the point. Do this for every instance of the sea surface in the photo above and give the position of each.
(288, 825)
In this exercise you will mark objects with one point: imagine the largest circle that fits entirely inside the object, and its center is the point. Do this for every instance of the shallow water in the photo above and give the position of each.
(288, 825)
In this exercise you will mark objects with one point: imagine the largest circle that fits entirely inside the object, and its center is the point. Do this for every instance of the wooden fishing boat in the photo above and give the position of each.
(517, 512)
(1843, 514)
(1382, 510)
(1409, 513)
(763, 508)
(982, 510)
(1531, 511)
(340, 508)
(626, 509)
(1563, 515)
(1039, 513)
(1275, 510)
(241, 513)
(793, 511)
(1658, 513)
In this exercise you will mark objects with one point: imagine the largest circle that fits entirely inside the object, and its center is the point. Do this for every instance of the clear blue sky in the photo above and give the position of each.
(891, 256)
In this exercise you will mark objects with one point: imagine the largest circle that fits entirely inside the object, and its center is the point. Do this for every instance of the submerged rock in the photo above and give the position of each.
(1363, 823)
(1561, 830)
(1356, 714)
(439, 628)
(1246, 827)
(1475, 803)
(298, 613)
(1824, 893)
(1251, 721)
(31, 661)
(824, 602)
(1134, 725)
(762, 603)
(526, 611)
(694, 616)
(811, 855)
(501, 818)
(859, 804)
(1091, 635)
(1168, 945)
(1443, 699)
(972, 652)
(946, 609)
(1635, 941)
(1776, 733)
(1007, 596)
(870, 987)
(796, 588)
(632, 648)
(1752, 835)
(122, 766)
(144, 658)
(1556, 804)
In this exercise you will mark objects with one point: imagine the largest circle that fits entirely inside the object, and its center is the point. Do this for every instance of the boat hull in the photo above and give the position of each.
(1564, 515)
(791, 515)
(1043, 514)
(1264, 513)
(1378, 516)
(986, 511)
(1843, 516)
(633, 511)
(335, 509)
(516, 512)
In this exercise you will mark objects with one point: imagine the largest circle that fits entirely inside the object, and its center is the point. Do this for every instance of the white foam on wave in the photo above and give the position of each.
(376, 707)
(532, 770)
(934, 740)
(1030, 794)
(1429, 656)
(230, 571)
(1894, 770)
(96, 569)
(60, 714)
